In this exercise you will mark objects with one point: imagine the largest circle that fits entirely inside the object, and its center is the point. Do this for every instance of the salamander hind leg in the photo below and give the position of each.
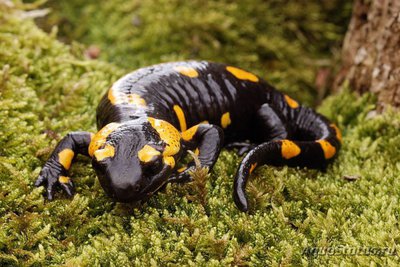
(206, 141)
(242, 147)
(269, 127)
(55, 170)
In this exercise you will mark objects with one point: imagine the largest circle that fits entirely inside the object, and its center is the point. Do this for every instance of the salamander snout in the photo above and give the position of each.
(127, 192)
(122, 183)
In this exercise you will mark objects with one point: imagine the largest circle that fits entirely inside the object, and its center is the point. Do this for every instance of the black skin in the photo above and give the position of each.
(260, 118)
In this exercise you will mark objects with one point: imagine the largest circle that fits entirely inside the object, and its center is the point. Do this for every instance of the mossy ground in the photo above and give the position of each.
(48, 89)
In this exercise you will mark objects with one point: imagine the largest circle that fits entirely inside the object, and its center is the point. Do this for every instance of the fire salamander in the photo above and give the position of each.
(150, 118)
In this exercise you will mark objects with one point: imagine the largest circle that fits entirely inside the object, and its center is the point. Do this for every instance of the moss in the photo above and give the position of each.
(48, 89)
(285, 42)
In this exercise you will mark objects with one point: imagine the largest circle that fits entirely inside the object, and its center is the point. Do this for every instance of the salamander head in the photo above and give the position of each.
(130, 160)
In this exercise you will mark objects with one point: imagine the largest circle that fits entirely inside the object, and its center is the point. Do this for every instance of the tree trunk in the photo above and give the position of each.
(371, 51)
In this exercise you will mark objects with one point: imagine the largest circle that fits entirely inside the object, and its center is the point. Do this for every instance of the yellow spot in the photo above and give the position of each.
(169, 134)
(289, 149)
(291, 102)
(181, 117)
(338, 133)
(329, 150)
(169, 161)
(147, 153)
(242, 74)
(197, 152)
(65, 158)
(112, 96)
(252, 167)
(63, 179)
(182, 169)
(188, 71)
(99, 139)
(204, 122)
(188, 134)
(225, 120)
(136, 99)
(117, 97)
(107, 152)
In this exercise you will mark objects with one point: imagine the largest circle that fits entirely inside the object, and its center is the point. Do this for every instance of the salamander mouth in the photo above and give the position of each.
(134, 198)
(129, 194)
(126, 195)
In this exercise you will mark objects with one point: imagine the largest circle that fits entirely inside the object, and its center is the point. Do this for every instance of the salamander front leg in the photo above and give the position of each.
(206, 141)
(55, 170)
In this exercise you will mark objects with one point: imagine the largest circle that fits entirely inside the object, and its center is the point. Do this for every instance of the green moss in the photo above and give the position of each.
(48, 89)
(286, 42)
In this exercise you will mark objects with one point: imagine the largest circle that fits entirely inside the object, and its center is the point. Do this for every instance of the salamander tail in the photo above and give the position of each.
(314, 144)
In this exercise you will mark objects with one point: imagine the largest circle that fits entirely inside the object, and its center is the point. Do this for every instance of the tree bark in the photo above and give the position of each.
(371, 51)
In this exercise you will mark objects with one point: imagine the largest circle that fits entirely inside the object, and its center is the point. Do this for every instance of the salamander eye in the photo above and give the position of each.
(153, 167)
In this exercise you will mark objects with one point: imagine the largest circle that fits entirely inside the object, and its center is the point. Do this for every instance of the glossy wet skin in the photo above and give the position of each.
(150, 117)
(123, 176)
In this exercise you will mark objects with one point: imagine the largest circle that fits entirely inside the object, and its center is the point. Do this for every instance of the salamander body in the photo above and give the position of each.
(150, 118)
